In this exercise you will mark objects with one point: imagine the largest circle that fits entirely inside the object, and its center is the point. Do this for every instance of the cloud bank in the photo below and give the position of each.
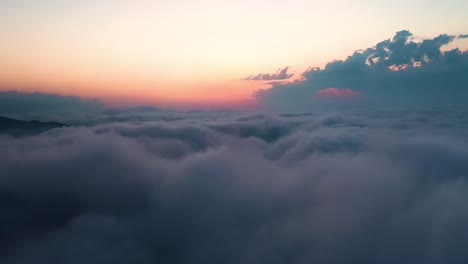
(375, 186)
(281, 74)
(397, 71)
(70, 109)
(46, 106)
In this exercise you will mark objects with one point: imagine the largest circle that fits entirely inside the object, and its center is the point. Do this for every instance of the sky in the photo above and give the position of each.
(195, 52)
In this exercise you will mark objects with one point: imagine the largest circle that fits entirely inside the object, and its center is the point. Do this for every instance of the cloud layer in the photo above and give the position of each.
(281, 74)
(397, 71)
(375, 186)
(46, 106)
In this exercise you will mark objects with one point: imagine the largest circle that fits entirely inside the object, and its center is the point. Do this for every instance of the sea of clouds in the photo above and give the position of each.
(377, 177)
(376, 185)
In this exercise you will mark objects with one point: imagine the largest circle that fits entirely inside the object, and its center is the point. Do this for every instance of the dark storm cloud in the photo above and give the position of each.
(281, 74)
(374, 186)
(397, 71)
(45, 106)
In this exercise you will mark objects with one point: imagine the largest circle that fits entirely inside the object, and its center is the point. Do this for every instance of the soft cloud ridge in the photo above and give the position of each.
(281, 74)
(46, 106)
(397, 71)
(374, 186)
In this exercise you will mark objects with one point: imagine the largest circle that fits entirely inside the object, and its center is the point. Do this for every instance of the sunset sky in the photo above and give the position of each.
(195, 51)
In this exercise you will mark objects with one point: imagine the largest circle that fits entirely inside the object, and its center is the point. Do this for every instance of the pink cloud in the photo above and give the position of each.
(335, 93)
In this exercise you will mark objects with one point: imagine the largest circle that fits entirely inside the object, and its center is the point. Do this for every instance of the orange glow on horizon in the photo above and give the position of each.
(125, 92)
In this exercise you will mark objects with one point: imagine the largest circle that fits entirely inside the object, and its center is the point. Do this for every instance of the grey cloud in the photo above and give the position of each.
(396, 71)
(281, 74)
(45, 106)
(73, 110)
(368, 186)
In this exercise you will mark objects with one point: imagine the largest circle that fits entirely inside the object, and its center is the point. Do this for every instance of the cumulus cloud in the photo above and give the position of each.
(373, 186)
(397, 71)
(281, 74)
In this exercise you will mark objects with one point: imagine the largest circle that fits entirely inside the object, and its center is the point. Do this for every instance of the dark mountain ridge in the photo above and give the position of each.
(19, 128)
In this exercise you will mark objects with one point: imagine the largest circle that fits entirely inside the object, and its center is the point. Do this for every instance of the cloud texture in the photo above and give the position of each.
(375, 186)
(397, 71)
(46, 106)
(281, 74)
